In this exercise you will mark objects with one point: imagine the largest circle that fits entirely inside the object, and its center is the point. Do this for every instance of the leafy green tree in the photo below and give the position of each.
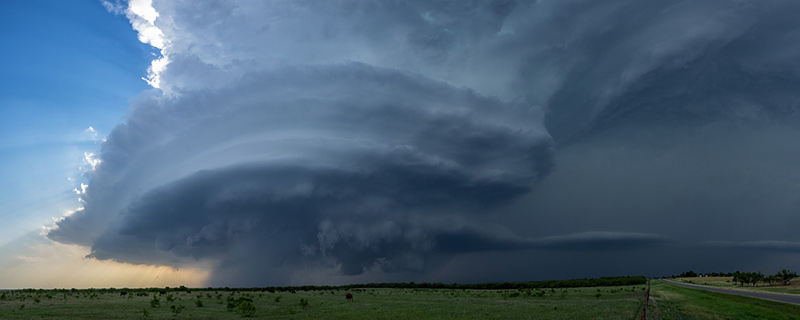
(785, 276)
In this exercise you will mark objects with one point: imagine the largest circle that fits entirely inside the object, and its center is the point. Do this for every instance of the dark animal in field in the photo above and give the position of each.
(293, 291)
(123, 293)
(332, 292)
(188, 292)
(162, 292)
(349, 297)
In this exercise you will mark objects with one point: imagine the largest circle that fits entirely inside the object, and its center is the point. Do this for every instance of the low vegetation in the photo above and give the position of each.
(783, 282)
(674, 302)
(599, 302)
(753, 279)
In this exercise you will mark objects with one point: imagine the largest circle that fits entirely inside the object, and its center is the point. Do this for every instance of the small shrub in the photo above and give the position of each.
(3, 296)
(36, 299)
(198, 303)
(22, 306)
(278, 298)
(145, 313)
(512, 295)
(177, 309)
(246, 308)
(236, 303)
(155, 303)
(303, 303)
(170, 298)
(597, 295)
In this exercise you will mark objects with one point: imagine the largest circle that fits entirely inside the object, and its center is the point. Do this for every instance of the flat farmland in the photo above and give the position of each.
(727, 282)
(669, 302)
(614, 302)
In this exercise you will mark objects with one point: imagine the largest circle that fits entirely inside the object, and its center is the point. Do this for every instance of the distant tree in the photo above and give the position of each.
(756, 277)
(785, 276)
(689, 274)
(741, 278)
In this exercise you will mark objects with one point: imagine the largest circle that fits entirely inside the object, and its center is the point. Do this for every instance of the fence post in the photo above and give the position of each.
(646, 301)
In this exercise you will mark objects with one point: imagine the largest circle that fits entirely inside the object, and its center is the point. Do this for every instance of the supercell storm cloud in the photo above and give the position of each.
(353, 137)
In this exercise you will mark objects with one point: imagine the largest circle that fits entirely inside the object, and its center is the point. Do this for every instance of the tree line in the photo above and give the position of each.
(753, 278)
(748, 278)
(572, 283)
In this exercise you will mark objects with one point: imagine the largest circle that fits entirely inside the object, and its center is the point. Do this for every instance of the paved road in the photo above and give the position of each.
(788, 298)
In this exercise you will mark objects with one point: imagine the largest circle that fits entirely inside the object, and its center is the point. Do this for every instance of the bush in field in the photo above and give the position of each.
(303, 303)
(145, 313)
(278, 298)
(3, 296)
(155, 303)
(177, 309)
(236, 303)
(198, 303)
(246, 309)
(170, 298)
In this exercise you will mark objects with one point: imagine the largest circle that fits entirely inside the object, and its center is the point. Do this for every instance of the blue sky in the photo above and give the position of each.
(333, 142)
(66, 66)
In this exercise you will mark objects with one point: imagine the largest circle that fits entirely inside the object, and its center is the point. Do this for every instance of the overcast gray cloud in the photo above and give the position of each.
(376, 138)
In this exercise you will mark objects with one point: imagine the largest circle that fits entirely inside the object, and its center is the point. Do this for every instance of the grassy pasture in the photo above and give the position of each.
(727, 282)
(621, 302)
(673, 302)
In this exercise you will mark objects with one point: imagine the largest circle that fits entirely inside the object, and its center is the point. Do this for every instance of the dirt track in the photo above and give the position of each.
(788, 298)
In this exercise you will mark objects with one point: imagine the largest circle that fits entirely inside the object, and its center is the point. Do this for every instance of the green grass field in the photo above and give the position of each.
(673, 302)
(622, 302)
(727, 282)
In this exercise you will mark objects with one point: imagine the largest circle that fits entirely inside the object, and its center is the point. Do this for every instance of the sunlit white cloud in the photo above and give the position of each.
(82, 189)
(92, 159)
(143, 17)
